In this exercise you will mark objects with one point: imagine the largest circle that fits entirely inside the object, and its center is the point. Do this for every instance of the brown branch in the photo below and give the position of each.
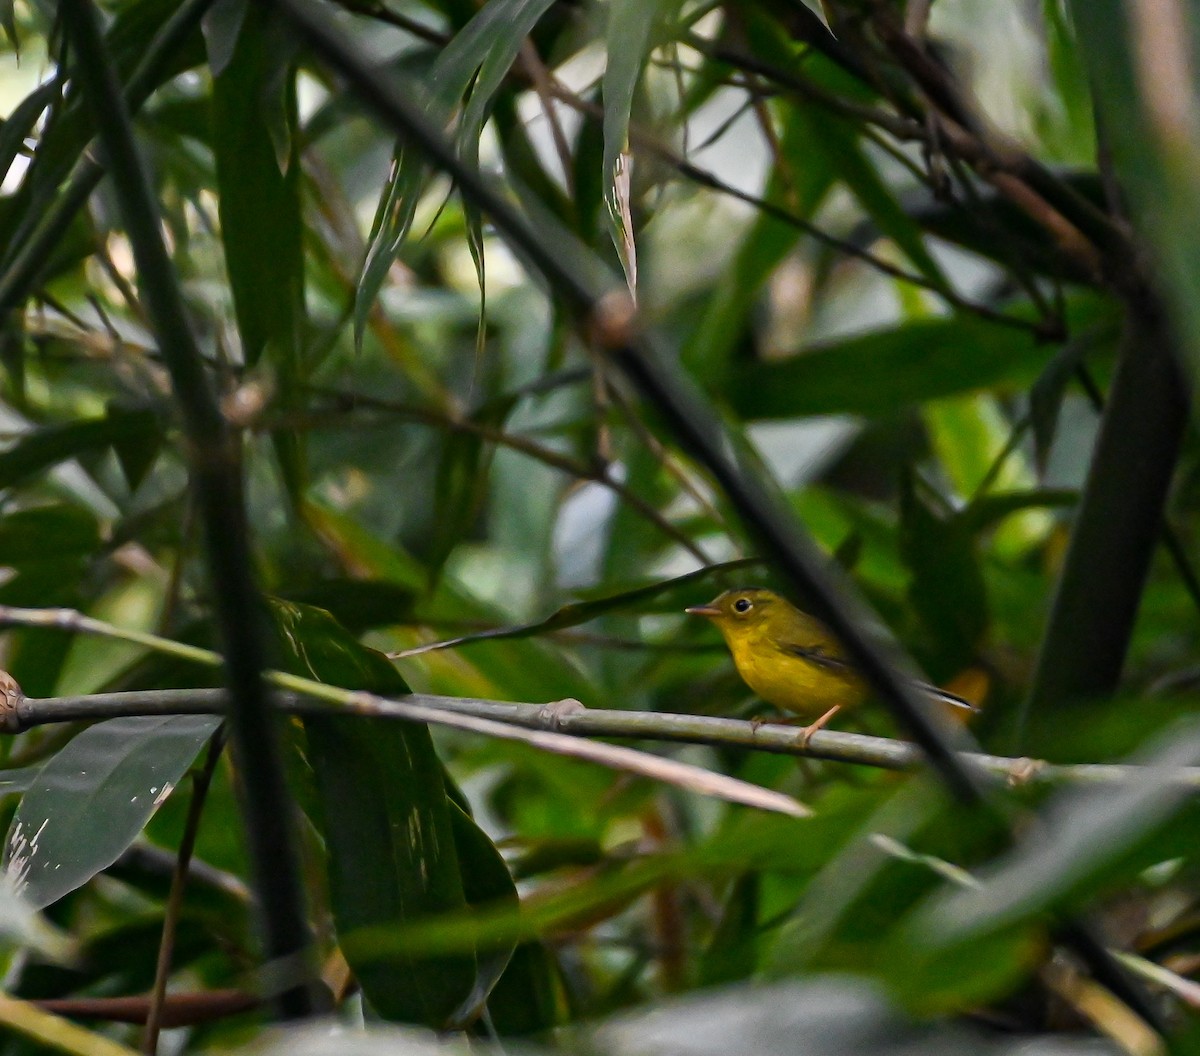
(166, 948)
(381, 13)
(1082, 231)
(178, 1010)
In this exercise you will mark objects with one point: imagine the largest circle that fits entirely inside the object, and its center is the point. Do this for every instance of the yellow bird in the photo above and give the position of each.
(791, 659)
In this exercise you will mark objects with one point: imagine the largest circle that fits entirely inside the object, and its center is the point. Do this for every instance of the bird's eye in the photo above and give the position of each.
(742, 605)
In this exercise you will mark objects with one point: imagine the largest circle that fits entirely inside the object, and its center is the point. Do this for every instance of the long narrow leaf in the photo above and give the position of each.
(91, 800)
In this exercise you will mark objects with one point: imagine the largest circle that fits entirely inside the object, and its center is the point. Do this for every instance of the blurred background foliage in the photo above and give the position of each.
(898, 257)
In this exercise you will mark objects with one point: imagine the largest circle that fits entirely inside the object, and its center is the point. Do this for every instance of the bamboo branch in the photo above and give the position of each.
(322, 699)
(775, 738)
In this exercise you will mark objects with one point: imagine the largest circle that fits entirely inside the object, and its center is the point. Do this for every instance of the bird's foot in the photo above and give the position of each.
(809, 730)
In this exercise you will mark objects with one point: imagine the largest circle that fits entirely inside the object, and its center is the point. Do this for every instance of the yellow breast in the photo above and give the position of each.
(791, 682)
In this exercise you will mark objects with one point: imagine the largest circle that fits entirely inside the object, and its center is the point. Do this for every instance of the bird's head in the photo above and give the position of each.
(743, 606)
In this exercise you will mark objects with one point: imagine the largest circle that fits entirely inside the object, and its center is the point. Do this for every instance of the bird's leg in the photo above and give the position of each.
(808, 731)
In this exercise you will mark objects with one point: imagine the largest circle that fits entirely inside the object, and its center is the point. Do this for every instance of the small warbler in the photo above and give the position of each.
(790, 658)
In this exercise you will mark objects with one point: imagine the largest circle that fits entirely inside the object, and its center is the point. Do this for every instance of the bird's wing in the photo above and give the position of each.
(816, 654)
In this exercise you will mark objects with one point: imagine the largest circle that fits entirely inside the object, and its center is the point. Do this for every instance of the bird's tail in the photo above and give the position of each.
(949, 698)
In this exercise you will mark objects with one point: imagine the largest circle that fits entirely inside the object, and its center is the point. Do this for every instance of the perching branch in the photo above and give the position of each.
(574, 720)
(323, 699)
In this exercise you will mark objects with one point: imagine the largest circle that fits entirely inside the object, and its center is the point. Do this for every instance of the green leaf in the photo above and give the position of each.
(947, 589)
(627, 44)
(47, 533)
(90, 801)
(388, 825)
(836, 139)
(20, 779)
(359, 604)
(48, 446)
(1070, 126)
(945, 982)
(1086, 839)
(222, 26)
(526, 999)
(989, 510)
(461, 483)
(391, 858)
(137, 448)
(128, 37)
(20, 123)
(817, 7)
(879, 373)
(1152, 146)
(478, 59)
(769, 240)
(1046, 396)
(8, 20)
(499, 47)
(732, 954)
(589, 179)
(487, 884)
(21, 926)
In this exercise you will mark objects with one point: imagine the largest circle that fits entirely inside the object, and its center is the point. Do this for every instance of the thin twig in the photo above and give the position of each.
(381, 13)
(187, 845)
(598, 473)
(644, 141)
(540, 77)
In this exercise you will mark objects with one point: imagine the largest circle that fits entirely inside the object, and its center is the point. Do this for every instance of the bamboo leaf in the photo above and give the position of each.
(627, 42)
(1087, 837)
(768, 241)
(46, 447)
(90, 801)
(877, 373)
(477, 59)
(388, 825)
(947, 589)
(20, 123)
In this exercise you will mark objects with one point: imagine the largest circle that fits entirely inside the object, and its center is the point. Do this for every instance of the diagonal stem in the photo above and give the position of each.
(183, 861)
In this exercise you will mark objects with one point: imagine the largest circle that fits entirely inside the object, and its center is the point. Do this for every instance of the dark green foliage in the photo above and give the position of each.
(888, 256)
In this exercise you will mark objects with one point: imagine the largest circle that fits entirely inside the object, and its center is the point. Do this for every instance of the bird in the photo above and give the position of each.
(790, 658)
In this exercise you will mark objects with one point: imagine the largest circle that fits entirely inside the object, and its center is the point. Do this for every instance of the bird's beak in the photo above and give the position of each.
(703, 610)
